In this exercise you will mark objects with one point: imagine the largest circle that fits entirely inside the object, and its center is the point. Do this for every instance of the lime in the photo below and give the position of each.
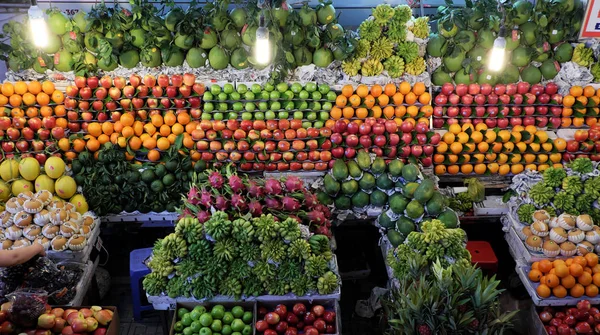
(209, 107)
(259, 116)
(206, 116)
(316, 95)
(247, 318)
(215, 89)
(178, 326)
(276, 105)
(263, 105)
(283, 115)
(250, 106)
(188, 331)
(326, 106)
(282, 87)
(302, 105)
(217, 312)
(310, 87)
(161, 170)
(298, 115)
(316, 106)
(311, 116)
(148, 176)
(222, 96)
(242, 88)
(324, 116)
(195, 315)
(264, 95)
(157, 186)
(255, 88)
(331, 96)
(289, 95)
(237, 325)
(318, 124)
(232, 116)
(238, 106)
(208, 96)
(324, 88)
(226, 330)
(206, 319)
(303, 95)
(205, 331)
(296, 87)
(223, 106)
(228, 88)
(269, 87)
(218, 116)
(216, 326)
(196, 326)
(288, 105)
(306, 124)
(228, 318)
(246, 116)
(270, 115)
(235, 96)
(201, 309)
(169, 180)
(249, 95)
(186, 320)
(237, 312)
(247, 330)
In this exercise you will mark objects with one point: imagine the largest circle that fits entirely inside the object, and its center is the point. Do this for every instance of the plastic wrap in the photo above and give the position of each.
(26, 306)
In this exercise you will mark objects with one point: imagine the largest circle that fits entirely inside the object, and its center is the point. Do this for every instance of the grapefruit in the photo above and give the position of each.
(54, 167)
(21, 185)
(80, 203)
(4, 191)
(9, 169)
(65, 187)
(29, 168)
(44, 182)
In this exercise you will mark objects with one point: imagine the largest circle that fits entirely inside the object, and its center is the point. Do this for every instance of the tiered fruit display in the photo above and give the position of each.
(411, 104)
(206, 320)
(201, 36)
(311, 319)
(32, 119)
(94, 320)
(143, 115)
(466, 35)
(572, 191)
(585, 143)
(581, 107)
(240, 256)
(581, 319)
(389, 43)
(575, 277)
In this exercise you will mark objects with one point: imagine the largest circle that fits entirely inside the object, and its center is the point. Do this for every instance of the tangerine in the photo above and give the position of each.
(543, 291)
(20, 87)
(404, 88)
(545, 266)
(559, 291)
(153, 155)
(577, 291)
(376, 90)
(48, 87)
(347, 90)
(568, 281)
(575, 269)
(362, 91)
(34, 87)
(341, 101)
(398, 98)
(390, 89)
(552, 280)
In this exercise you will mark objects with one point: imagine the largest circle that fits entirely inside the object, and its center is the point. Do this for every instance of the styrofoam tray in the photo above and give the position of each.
(530, 286)
(525, 254)
(492, 205)
(80, 256)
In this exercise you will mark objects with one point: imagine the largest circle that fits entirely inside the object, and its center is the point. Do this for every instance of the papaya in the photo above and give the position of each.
(448, 218)
(395, 238)
(385, 221)
(339, 170)
(395, 168)
(436, 204)
(378, 198)
(364, 160)
(360, 199)
(405, 225)
(425, 191)
(378, 166)
(350, 187)
(367, 182)
(384, 182)
(323, 197)
(398, 203)
(409, 189)
(410, 172)
(414, 209)
(354, 170)
(332, 187)
(343, 203)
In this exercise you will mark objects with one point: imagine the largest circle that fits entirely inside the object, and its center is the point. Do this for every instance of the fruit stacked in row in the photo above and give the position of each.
(580, 107)
(538, 35)
(143, 115)
(206, 321)
(388, 44)
(32, 118)
(581, 319)
(309, 103)
(389, 101)
(399, 191)
(94, 320)
(201, 36)
(384, 138)
(585, 143)
(240, 256)
(480, 150)
(573, 191)
(310, 319)
(577, 276)
(28, 175)
(502, 106)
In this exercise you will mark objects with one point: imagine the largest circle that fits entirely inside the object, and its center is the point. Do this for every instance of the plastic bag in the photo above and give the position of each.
(475, 189)
(26, 306)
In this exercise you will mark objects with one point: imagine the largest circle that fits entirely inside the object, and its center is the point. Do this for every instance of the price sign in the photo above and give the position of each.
(591, 22)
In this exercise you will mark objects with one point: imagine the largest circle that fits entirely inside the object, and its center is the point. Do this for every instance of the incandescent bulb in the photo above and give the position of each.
(496, 60)
(262, 47)
(38, 27)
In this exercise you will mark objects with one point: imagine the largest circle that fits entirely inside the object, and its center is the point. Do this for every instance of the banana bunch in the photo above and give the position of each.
(187, 268)
(397, 31)
(289, 230)
(315, 266)
(362, 49)
(382, 13)
(394, 66)
(289, 270)
(218, 226)
(352, 66)
(409, 51)
(190, 228)
(371, 67)
(299, 249)
(174, 246)
(231, 287)
(215, 270)
(203, 288)
(161, 264)
(319, 244)
(265, 227)
(200, 250)
(301, 285)
(525, 213)
(327, 283)
(249, 252)
(541, 194)
(178, 287)
(420, 27)
(583, 56)
(573, 185)
(264, 270)
(242, 230)
(240, 269)
(582, 165)
(369, 30)
(382, 48)
(252, 286)
(277, 287)
(225, 249)
(273, 250)
(553, 177)
(416, 67)
(154, 283)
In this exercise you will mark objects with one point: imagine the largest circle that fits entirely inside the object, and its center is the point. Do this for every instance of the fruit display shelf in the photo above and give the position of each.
(247, 305)
(329, 304)
(85, 282)
(162, 217)
(523, 270)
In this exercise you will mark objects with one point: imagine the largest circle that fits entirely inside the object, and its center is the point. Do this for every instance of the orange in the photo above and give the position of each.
(138, 128)
(127, 119)
(103, 138)
(3, 100)
(362, 113)
(561, 270)
(20, 87)
(438, 158)
(419, 88)
(58, 97)
(456, 147)
(575, 270)
(565, 122)
(576, 91)
(490, 136)
(478, 158)
(149, 143)
(592, 259)
(453, 169)
(92, 144)
(341, 101)
(452, 158)
(587, 269)
(183, 118)
(389, 112)
(427, 110)
(94, 129)
(410, 98)
(568, 281)
(348, 112)
(355, 100)
(63, 144)
(568, 101)
(504, 169)
(412, 111)
(516, 168)
(127, 132)
(442, 147)
(376, 90)
(552, 280)
(493, 167)
(543, 291)
(440, 169)
(398, 98)
(585, 279)
(560, 144)
(362, 90)
(568, 262)
(545, 266)
(32, 112)
(163, 143)
(477, 136)
(454, 128)
(153, 155)
(589, 91)
(172, 138)
(42, 99)
(425, 98)
(462, 137)
(596, 268)
(165, 130)
(170, 119)
(28, 99)
(188, 142)
(34, 87)
(580, 260)
(135, 143)
(383, 100)
(483, 147)
(7, 89)
(404, 88)
(347, 90)
(369, 101)
(177, 129)
(466, 168)
(390, 89)
(591, 290)
(15, 100)
(48, 87)
(469, 147)
(596, 279)
(577, 291)
(376, 112)
(157, 120)
(559, 291)
(480, 168)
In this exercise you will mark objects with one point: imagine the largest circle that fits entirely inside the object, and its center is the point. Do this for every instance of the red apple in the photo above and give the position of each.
(447, 88)
(135, 80)
(92, 82)
(163, 80)
(149, 80)
(177, 80)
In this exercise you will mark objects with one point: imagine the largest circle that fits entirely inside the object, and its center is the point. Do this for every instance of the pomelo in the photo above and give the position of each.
(21, 185)
(54, 167)
(80, 203)
(9, 169)
(44, 182)
(65, 187)
(29, 168)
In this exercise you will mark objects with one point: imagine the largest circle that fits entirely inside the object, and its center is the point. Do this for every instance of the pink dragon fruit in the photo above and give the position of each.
(272, 203)
(255, 208)
(324, 209)
(273, 187)
(310, 200)
(192, 196)
(238, 202)
(316, 217)
(255, 190)
(216, 179)
(186, 212)
(294, 184)
(323, 230)
(221, 203)
(290, 204)
(206, 198)
(203, 216)
(236, 183)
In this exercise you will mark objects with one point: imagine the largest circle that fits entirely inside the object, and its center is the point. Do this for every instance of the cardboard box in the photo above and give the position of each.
(329, 304)
(247, 305)
(115, 324)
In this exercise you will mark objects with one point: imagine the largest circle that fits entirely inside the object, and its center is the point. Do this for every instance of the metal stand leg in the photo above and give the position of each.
(164, 320)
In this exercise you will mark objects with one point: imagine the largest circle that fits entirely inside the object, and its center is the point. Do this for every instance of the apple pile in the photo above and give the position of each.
(582, 319)
(384, 138)
(585, 143)
(105, 99)
(302, 318)
(501, 106)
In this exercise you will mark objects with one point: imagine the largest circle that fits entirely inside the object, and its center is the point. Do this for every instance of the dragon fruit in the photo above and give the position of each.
(193, 197)
(206, 198)
(323, 231)
(255, 208)
(316, 217)
(186, 213)
(221, 203)
(310, 200)
(203, 216)
(323, 209)
(272, 203)
(238, 202)
(290, 204)
(273, 187)
(255, 190)
(294, 184)
(216, 179)
(236, 183)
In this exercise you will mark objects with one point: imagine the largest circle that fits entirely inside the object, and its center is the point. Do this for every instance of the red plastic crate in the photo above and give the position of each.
(483, 255)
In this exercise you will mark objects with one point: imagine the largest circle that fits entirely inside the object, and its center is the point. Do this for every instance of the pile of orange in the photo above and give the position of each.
(583, 101)
(476, 149)
(576, 276)
(33, 99)
(389, 101)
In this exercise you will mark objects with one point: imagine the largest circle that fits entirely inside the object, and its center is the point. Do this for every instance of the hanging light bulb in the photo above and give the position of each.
(262, 47)
(498, 53)
(37, 25)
